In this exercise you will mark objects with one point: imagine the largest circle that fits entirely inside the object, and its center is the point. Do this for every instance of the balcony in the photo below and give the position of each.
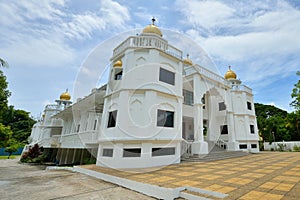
(147, 42)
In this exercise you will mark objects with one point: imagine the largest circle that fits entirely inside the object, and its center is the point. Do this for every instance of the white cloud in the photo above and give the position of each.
(207, 14)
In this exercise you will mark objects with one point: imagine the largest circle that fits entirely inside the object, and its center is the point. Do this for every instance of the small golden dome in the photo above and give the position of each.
(187, 61)
(151, 28)
(118, 63)
(65, 96)
(230, 74)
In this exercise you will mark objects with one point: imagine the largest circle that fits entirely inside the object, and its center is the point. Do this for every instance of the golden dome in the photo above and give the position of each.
(151, 28)
(118, 63)
(187, 61)
(230, 74)
(65, 96)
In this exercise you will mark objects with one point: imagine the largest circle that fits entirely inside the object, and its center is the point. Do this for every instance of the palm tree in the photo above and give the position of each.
(3, 63)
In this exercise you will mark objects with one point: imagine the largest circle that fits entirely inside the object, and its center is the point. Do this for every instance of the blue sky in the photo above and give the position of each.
(46, 43)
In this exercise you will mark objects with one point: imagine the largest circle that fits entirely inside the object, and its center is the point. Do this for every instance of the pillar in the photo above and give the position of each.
(199, 146)
(232, 144)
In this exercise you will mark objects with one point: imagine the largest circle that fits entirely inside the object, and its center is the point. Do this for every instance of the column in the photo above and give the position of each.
(232, 144)
(198, 122)
(199, 146)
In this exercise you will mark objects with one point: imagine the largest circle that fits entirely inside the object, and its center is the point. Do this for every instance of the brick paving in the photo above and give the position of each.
(267, 175)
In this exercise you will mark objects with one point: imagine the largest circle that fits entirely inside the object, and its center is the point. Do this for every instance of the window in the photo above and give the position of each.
(203, 100)
(112, 119)
(95, 124)
(253, 146)
(243, 146)
(188, 97)
(118, 75)
(166, 76)
(165, 118)
(107, 152)
(252, 129)
(134, 152)
(222, 106)
(163, 151)
(249, 105)
(78, 127)
(224, 129)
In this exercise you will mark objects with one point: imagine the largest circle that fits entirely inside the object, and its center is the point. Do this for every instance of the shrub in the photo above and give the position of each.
(296, 148)
(34, 155)
(281, 147)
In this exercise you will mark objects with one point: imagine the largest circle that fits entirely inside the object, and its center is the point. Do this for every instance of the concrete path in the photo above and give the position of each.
(21, 181)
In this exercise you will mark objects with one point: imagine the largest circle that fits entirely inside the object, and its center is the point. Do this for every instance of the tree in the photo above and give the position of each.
(4, 94)
(20, 123)
(296, 95)
(5, 135)
(271, 123)
(12, 147)
(3, 63)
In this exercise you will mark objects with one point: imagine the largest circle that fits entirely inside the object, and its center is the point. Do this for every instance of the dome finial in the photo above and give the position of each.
(230, 74)
(65, 96)
(153, 21)
(187, 61)
(152, 28)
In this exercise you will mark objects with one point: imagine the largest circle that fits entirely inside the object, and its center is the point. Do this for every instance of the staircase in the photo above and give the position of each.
(217, 151)
(212, 156)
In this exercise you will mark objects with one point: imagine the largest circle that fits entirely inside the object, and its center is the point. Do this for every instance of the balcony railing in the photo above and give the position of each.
(147, 42)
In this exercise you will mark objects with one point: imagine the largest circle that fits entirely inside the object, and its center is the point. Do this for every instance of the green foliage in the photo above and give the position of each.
(13, 146)
(281, 147)
(296, 148)
(88, 161)
(275, 124)
(20, 123)
(5, 135)
(296, 95)
(4, 94)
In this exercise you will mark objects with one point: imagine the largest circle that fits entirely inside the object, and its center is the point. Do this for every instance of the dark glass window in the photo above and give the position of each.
(243, 146)
(118, 75)
(107, 152)
(222, 106)
(165, 118)
(224, 129)
(134, 152)
(112, 118)
(163, 151)
(249, 105)
(253, 146)
(95, 124)
(166, 76)
(188, 97)
(251, 128)
(78, 127)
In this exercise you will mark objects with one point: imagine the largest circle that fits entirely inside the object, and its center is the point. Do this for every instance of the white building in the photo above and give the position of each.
(155, 107)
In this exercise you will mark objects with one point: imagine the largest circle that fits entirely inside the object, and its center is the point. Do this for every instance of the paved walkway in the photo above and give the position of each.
(266, 176)
(32, 182)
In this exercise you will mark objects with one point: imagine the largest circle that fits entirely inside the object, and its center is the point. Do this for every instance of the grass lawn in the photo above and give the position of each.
(11, 157)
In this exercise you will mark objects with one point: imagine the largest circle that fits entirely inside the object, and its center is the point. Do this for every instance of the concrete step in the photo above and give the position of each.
(215, 156)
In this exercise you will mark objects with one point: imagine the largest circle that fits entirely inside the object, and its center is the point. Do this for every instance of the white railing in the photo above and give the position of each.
(186, 148)
(221, 143)
(147, 42)
(209, 74)
(51, 107)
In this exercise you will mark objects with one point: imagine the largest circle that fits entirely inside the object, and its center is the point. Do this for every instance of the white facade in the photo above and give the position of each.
(155, 106)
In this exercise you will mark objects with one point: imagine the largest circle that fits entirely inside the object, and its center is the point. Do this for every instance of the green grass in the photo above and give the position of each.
(11, 157)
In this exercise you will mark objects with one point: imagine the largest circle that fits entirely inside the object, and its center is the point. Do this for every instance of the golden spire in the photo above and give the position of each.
(152, 28)
(187, 61)
(230, 74)
(65, 96)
